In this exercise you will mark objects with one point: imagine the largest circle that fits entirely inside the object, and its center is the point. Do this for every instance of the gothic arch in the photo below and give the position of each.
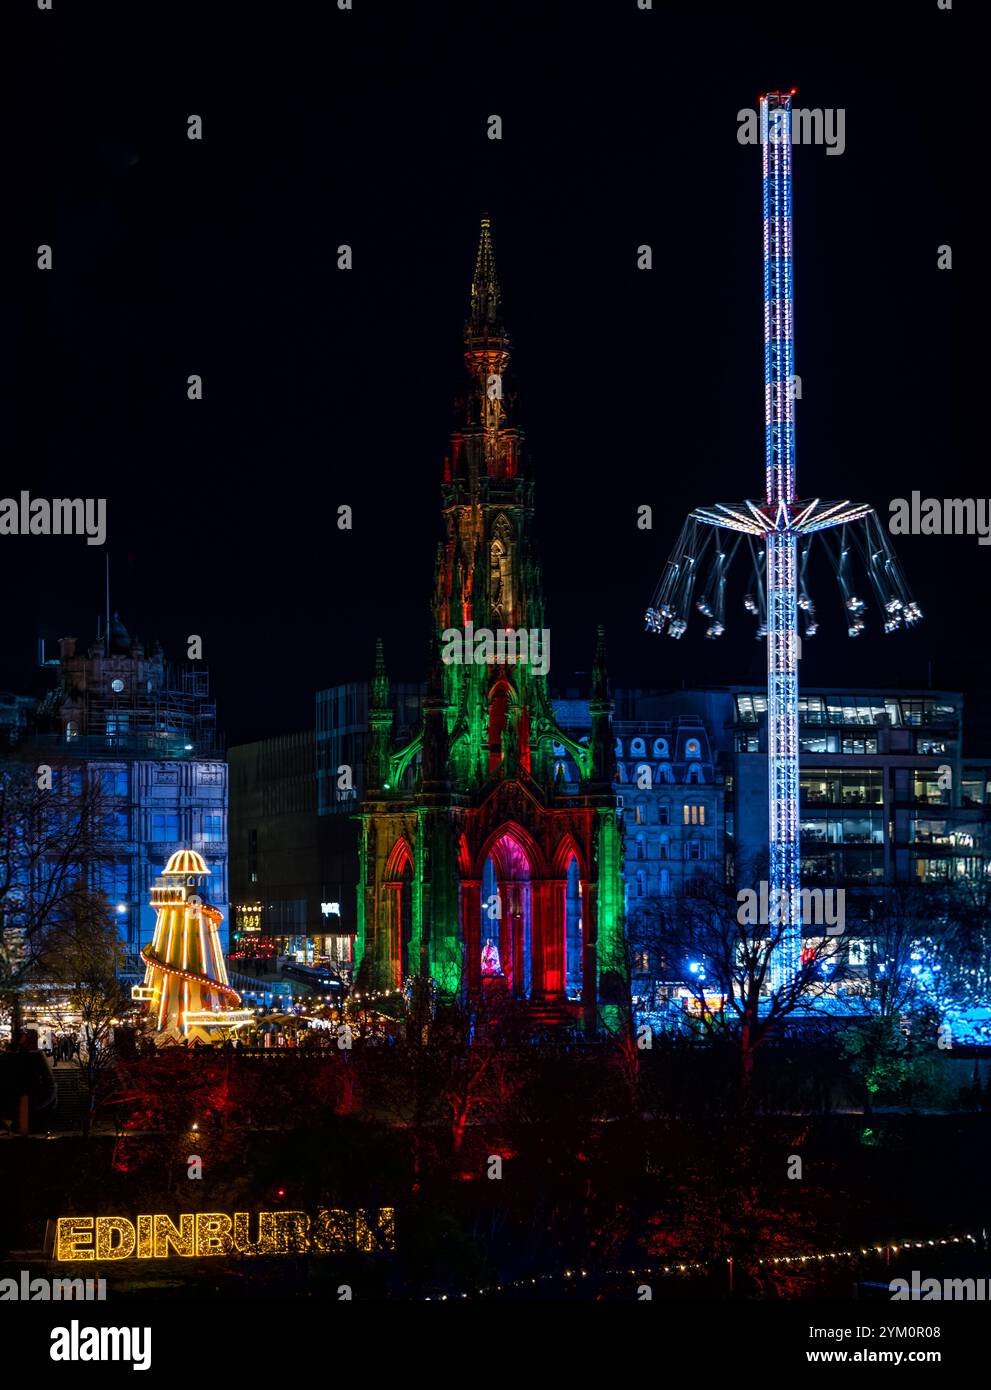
(502, 685)
(501, 568)
(464, 857)
(503, 704)
(568, 848)
(512, 830)
(396, 907)
(400, 855)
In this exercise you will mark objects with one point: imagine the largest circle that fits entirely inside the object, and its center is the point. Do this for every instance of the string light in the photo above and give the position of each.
(701, 1266)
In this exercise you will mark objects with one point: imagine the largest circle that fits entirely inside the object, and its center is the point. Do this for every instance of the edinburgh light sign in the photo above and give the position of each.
(197, 1235)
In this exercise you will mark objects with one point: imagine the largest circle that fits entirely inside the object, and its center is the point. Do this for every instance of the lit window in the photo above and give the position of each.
(164, 827)
(114, 781)
(857, 952)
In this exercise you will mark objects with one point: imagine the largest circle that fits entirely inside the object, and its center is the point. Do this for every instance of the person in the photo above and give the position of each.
(490, 958)
(29, 1075)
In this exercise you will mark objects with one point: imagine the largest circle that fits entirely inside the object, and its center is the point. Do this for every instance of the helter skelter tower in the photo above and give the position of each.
(186, 986)
(779, 532)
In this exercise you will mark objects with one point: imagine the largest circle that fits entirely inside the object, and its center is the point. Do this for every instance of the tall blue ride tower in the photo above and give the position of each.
(782, 543)
(779, 526)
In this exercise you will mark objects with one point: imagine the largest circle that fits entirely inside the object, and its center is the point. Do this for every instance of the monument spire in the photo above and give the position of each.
(484, 317)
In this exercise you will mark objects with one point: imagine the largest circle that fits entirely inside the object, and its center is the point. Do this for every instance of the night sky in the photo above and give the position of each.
(324, 387)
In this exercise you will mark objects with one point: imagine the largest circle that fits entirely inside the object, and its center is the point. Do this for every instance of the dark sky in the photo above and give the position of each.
(323, 387)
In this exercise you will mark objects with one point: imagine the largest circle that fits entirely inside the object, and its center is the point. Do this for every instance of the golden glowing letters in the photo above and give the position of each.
(201, 1234)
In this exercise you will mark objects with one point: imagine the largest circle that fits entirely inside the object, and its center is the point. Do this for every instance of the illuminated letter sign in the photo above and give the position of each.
(201, 1234)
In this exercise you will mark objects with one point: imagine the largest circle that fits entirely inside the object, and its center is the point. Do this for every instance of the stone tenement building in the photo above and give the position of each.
(146, 730)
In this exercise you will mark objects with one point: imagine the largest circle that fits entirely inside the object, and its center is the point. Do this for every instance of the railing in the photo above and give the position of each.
(262, 984)
(171, 746)
(858, 719)
(812, 799)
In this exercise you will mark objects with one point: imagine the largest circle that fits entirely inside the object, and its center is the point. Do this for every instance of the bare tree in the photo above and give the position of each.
(966, 957)
(913, 934)
(87, 996)
(922, 940)
(722, 959)
(53, 825)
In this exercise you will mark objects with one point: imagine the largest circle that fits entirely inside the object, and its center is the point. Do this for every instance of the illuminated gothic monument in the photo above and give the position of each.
(469, 846)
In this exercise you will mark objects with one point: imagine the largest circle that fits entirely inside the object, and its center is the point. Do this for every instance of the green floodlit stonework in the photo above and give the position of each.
(480, 782)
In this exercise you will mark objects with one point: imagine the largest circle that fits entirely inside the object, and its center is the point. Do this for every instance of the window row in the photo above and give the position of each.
(638, 748)
(694, 887)
(645, 776)
(164, 827)
(694, 848)
(647, 813)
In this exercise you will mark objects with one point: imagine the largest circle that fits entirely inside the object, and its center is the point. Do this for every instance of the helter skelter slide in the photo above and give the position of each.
(779, 532)
(186, 987)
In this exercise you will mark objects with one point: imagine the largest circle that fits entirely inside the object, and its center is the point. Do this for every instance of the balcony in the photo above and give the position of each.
(160, 747)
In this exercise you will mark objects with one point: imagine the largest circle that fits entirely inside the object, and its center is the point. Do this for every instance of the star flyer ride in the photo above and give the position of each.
(186, 986)
(779, 532)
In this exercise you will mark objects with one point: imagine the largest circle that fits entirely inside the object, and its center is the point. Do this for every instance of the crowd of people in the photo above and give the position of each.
(64, 1046)
(26, 1081)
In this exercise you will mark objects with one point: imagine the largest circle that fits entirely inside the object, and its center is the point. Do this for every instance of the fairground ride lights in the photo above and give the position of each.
(198, 1235)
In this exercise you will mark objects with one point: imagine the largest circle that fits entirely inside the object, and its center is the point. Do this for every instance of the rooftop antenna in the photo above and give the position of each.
(107, 563)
